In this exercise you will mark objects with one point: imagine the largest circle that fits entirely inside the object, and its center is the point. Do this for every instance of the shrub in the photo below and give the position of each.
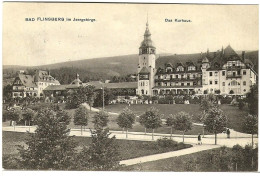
(166, 143)
(241, 104)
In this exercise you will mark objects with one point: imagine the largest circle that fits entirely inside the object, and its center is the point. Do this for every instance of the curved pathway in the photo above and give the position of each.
(208, 141)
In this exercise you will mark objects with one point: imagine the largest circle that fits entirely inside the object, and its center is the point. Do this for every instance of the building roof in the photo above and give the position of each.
(76, 81)
(44, 76)
(60, 87)
(27, 80)
(96, 84)
(122, 85)
(216, 59)
(147, 42)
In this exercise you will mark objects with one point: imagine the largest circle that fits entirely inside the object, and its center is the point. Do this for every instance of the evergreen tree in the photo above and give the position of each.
(49, 147)
(126, 119)
(81, 117)
(102, 154)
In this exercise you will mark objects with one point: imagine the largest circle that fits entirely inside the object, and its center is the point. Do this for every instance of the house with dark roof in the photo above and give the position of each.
(27, 85)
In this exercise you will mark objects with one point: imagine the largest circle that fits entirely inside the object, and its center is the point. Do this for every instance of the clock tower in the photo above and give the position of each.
(146, 66)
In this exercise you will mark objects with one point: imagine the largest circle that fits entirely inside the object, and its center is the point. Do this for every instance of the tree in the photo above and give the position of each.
(126, 119)
(79, 96)
(182, 121)
(103, 151)
(252, 100)
(28, 116)
(151, 119)
(49, 147)
(215, 121)
(100, 119)
(14, 115)
(102, 154)
(81, 116)
(7, 92)
(170, 122)
(237, 156)
(250, 125)
(205, 104)
(169, 98)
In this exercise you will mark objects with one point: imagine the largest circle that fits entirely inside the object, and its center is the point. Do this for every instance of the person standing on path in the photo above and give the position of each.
(199, 139)
(228, 133)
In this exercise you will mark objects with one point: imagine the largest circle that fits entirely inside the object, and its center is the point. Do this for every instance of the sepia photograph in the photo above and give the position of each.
(130, 87)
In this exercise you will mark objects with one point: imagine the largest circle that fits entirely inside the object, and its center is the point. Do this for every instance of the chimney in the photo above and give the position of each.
(243, 56)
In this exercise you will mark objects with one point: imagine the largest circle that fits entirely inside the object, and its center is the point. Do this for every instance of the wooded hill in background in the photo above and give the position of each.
(116, 68)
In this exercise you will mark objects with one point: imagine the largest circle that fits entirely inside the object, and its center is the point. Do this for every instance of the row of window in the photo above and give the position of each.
(177, 84)
(234, 73)
(233, 83)
(143, 83)
(188, 76)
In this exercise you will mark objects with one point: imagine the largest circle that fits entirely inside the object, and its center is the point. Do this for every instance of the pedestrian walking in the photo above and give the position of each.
(228, 133)
(199, 139)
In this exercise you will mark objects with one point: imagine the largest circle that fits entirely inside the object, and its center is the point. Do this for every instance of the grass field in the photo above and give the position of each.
(234, 114)
(176, 164)
(127, 148)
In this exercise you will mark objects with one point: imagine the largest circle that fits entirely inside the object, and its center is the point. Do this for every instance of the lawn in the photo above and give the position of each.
(127, 148)
(234, 114)
(112, 124)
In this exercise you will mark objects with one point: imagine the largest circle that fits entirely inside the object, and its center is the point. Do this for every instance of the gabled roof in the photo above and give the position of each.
(144, 70)
(44, 76)
(27, 80)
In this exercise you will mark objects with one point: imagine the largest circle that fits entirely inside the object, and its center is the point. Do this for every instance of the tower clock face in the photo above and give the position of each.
(143, 77)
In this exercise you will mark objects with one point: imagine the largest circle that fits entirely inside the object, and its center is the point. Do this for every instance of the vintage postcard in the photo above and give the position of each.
(130, 87)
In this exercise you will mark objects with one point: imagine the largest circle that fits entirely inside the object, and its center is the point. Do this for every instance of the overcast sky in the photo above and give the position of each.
(119, 29)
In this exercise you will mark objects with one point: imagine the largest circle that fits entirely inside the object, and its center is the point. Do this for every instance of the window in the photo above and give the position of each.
(188, 84)
(244, 72)
(210, 73)
(210, 82)
(223, 73)
(180, 68)
(177, 76)
(182, 84)
(238, 72)
(216, 82)
(216, 73)
(234, 73)
(223, 84)
(244, 83)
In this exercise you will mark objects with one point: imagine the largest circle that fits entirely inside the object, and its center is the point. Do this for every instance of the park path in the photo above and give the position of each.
(235, 137)
(208, 141)
(194, 149)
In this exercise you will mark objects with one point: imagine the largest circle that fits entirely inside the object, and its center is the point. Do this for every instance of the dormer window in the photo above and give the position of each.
(180, 68)
(190, 68)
